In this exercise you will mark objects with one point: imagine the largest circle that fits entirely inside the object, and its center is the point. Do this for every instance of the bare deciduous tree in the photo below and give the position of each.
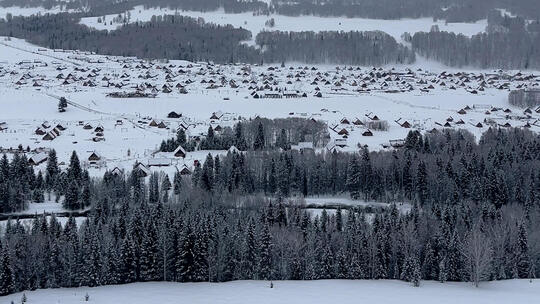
(478, 255)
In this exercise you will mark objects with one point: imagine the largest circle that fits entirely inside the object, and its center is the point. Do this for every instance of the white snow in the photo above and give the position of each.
(349, 202)
(256, 23)
(298, 292)
(28, 11)
(45, 207)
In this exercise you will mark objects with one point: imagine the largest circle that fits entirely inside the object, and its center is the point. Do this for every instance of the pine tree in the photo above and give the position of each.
(249, 251)
(239, 139)
(259, 142)
(127, 271)
(166, 183)
(443, 273)
(265, 254)
(74, 170)
(185, 256)
(71, 200)
(148, 253)
(38, 196)
(421, 182)
(282, 177)
(271, 185)
(153, 188)
(93, 261)
(417, 274)
(180, 138)
(206, 181)
(85, 196)
(218, 178)
(7, 285)
(339, 219)
(326, 263)
(196, 175)
(200, 254)
(353, 178)
(523, 256)
(282, 141)
(177, 181)
(210, 139)
(62, 104)
(411, 270)
(366, 171)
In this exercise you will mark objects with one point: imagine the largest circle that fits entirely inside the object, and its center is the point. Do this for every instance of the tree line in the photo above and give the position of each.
(524, 99)
(507, 45)
(358, 48)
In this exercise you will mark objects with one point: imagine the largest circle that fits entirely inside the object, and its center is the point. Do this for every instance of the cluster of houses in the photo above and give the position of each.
(49, 132)
(485, 116)
(124, 77)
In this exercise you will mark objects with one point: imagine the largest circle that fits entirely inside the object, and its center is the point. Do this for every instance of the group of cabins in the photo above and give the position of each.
(147, 79)
(144, 170)
(47, 132)
(346, 125)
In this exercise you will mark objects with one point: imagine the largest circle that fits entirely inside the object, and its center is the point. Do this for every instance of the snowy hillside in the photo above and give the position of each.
(347, 99)
(298, 292)
(256, 23)
(28, 11)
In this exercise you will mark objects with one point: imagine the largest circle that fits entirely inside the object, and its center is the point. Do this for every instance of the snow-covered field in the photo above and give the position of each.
(256, 23)
(298, 292)
(28, 11)
(346, 201)
(45, 207)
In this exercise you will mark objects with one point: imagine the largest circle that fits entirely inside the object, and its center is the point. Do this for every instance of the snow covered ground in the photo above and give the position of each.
(45, 207)
(346, 201)
(256, 23)
(28, 11)
(298, 292)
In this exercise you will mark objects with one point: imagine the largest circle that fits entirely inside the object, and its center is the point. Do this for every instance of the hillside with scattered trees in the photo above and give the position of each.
(180, 37)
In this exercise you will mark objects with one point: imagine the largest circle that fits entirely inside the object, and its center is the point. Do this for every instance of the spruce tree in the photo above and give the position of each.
(7, 285)
(71, 199)
(523, 257)
(177, 181)
(259, 141)
(185, 256)
(206, 181)
(353, 178)
(239, 139)
(265, 254)
(74, 170)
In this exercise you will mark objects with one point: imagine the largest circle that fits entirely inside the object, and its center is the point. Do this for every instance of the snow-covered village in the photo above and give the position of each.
(159, 154)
